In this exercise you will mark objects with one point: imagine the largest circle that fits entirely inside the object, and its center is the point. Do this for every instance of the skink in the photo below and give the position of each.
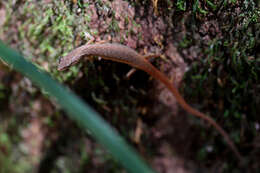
(124, 54)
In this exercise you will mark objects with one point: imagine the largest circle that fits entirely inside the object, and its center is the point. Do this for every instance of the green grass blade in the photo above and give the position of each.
(78, 111)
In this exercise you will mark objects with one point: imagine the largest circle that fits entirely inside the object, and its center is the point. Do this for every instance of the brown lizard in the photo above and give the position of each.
(124, 54)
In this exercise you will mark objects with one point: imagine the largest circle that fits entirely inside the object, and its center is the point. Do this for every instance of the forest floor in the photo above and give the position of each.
(210, 50)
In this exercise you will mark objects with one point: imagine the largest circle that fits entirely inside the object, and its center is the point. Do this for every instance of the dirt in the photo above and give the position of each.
(164, 134)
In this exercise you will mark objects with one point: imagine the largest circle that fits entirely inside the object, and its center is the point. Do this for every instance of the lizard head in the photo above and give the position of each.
(63, 63)
(67, 61)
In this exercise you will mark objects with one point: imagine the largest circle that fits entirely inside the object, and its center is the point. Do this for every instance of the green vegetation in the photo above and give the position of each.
(227, 77)
(51, 30)
(223, 79)
(87, 118)
(8, 159)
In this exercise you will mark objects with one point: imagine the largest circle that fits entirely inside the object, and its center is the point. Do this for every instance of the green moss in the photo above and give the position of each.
(181, 5)
(49, 30)
(211, 4)
(227, 78)
(198, 9)
(9, 158)
(113, 26)
(186, 42)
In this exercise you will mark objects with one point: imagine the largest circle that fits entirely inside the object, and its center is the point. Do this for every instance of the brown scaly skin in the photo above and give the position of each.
(124, 54)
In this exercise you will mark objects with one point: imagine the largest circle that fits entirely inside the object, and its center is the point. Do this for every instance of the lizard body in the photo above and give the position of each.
(124, 54)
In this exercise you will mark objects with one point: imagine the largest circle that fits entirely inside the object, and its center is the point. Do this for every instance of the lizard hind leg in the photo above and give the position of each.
(147, 57)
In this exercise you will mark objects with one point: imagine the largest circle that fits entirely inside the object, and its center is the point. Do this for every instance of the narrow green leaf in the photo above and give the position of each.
(78, 111)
